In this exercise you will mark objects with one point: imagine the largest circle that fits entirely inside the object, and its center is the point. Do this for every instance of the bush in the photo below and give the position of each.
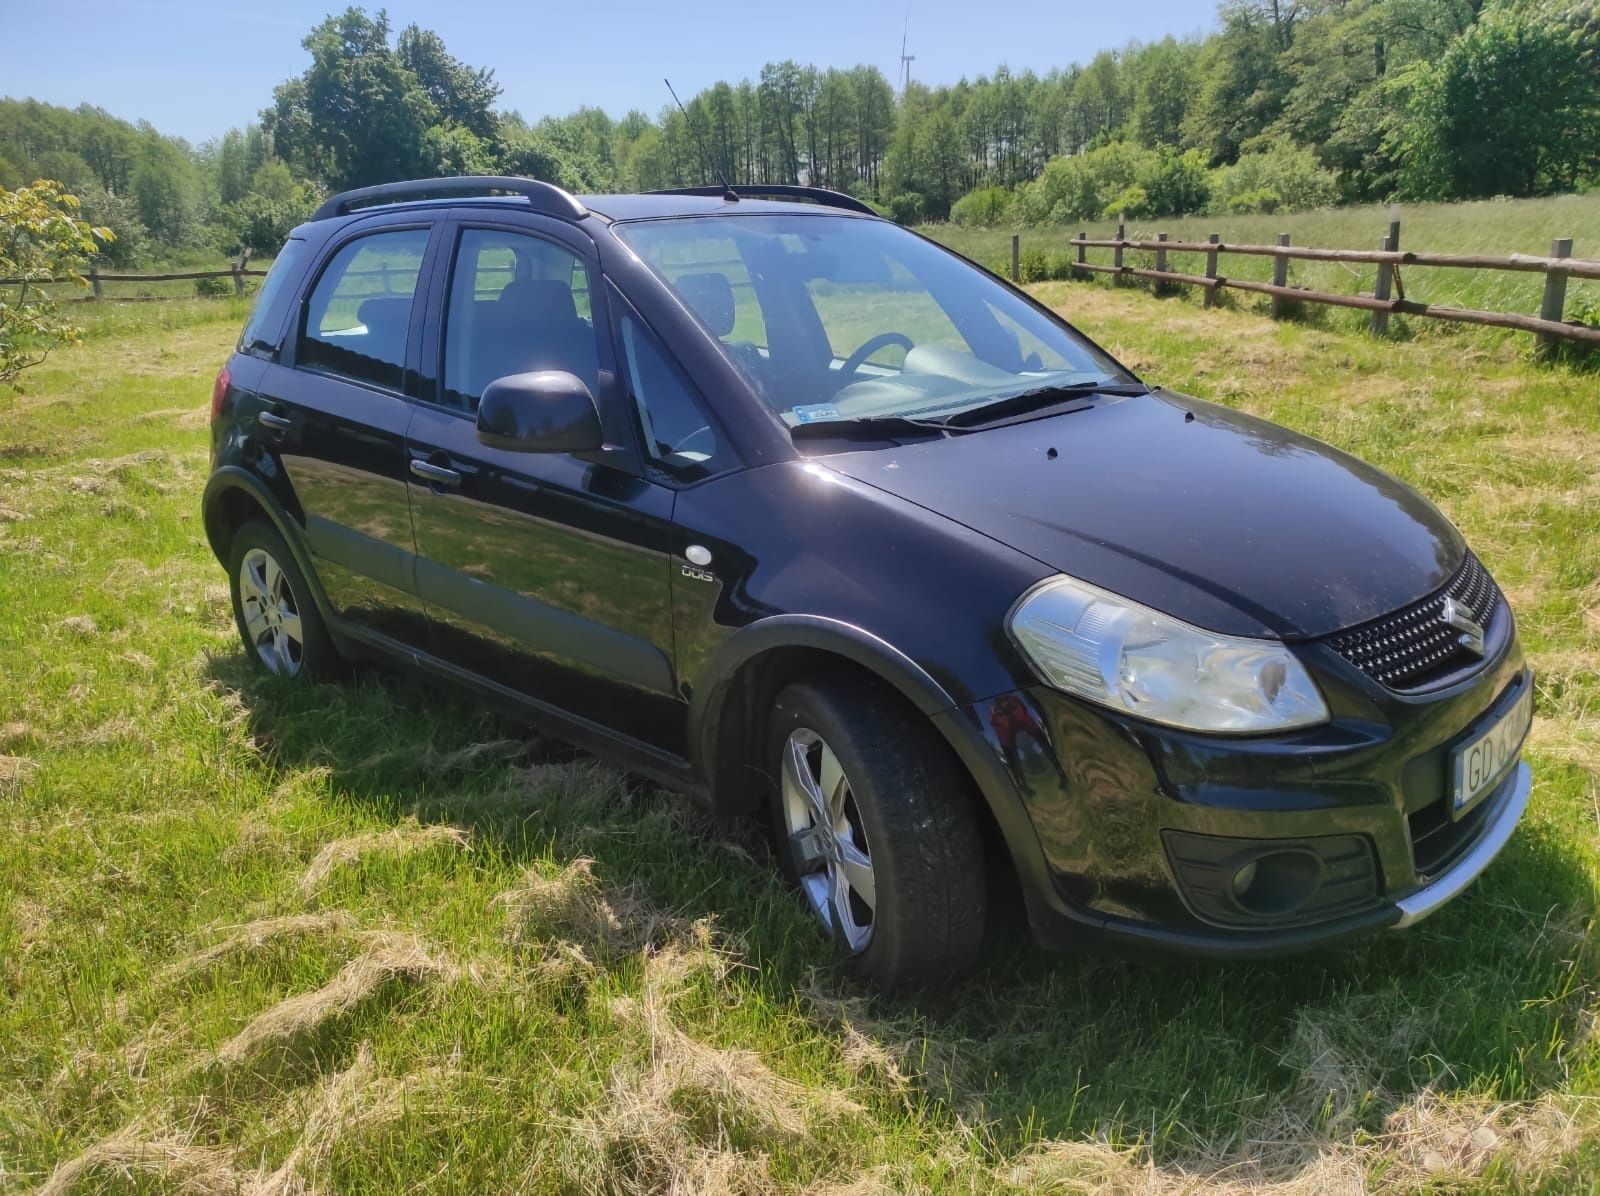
(1033, 265)
(1133, 201)
(906, 207)
(213, 288)
(1263, 202)
(987, 207)
(1116, 179)
(1065, 190)
(1174, 184)
(1284, 176)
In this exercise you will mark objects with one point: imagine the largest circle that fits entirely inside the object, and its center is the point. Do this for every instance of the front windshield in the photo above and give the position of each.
(835, 318)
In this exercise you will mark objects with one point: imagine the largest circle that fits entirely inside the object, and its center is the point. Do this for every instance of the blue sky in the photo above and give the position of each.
(194, 68)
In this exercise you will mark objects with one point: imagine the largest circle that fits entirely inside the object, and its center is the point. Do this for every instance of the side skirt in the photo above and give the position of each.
(664, 768)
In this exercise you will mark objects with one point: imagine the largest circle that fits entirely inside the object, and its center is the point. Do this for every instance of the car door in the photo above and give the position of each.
(335, 411)
(543, 573)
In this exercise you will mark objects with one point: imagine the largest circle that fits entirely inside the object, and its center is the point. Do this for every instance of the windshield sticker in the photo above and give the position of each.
(807, 415)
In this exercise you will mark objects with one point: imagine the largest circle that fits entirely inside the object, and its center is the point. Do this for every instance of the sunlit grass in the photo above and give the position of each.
(367, 936)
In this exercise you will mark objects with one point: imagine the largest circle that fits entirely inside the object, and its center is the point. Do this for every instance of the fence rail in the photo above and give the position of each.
(1387, 297)
(238, 271)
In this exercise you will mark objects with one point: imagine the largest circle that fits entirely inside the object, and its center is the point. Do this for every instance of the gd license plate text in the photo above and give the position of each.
(1479, 764)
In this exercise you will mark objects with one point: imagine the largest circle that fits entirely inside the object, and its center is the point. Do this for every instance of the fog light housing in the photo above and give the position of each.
(1277, 883)
(1261, 883)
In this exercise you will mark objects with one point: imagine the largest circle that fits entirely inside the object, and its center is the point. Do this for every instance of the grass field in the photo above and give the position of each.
(366, 937)
(1491, 226)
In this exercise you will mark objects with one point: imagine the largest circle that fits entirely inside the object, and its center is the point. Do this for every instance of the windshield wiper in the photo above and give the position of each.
(1036, 398)
(877, 426)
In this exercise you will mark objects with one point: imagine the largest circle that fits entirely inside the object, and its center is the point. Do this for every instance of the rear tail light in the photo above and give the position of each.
(219, 391)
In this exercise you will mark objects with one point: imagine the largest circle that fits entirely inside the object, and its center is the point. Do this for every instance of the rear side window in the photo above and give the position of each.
(260, 330)
(359, 313)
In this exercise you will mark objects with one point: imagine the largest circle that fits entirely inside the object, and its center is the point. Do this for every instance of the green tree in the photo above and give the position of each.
(1511, 108)
(1163, 82)
(358, 115)
(41, 237)
(164, 190)
(462, 96)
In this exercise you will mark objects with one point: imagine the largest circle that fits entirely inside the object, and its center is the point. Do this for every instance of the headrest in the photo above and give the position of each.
(384, 311)
(541, 298)
(712, 299)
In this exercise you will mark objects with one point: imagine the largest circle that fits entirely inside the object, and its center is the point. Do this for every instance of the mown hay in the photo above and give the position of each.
(405, 839)
(392, 958)
(572, 908)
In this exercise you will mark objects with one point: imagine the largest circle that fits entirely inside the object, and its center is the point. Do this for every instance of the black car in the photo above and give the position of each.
(787, 507)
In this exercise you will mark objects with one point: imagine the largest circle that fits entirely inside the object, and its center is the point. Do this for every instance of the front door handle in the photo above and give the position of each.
(436, 475)
(271, 419)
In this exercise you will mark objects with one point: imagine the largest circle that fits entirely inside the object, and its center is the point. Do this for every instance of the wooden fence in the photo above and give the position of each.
(1388, 296)
(238, 271)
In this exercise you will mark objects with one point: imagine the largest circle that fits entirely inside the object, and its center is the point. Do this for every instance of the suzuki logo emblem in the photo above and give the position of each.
(1458, 616)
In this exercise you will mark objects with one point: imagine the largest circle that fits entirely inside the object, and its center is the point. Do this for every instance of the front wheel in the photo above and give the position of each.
(874, 825)
(273, 609)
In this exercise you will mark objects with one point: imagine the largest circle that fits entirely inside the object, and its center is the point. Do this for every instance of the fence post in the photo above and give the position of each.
(1161, 254)
(1082, 254)
(1380, 288)
(94, 278)
(1016, 257)
(238, 272)
(1280, 278)
(1385, 279)
(1555, 295)
(1116, 254)
(1211, 269)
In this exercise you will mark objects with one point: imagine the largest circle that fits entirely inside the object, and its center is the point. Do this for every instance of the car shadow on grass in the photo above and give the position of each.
(1213, 1066)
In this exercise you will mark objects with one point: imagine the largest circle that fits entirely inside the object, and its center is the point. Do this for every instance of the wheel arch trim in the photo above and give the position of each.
(905, 675)
(232, 478)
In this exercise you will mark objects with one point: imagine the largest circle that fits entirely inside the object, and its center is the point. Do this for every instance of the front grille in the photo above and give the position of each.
(1415, 646)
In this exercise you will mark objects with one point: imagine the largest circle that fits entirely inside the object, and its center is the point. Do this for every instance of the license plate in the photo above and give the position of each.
(1478, 765)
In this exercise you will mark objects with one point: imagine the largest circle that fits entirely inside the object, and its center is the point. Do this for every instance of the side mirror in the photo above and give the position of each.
(547, 411)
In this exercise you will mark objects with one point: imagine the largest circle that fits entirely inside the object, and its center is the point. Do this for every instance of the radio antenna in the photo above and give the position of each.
(728, 192)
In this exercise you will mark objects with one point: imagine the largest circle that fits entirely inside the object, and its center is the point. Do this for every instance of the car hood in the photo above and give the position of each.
(1226, 521)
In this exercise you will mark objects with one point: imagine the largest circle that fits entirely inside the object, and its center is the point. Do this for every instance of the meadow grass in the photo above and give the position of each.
(1491, 226)
(366, 936)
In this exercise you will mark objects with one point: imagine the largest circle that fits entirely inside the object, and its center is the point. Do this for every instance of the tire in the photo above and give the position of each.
(901, 806)
(278, 620)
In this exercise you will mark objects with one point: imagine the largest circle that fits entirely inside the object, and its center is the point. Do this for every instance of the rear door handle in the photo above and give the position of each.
(436, 475)
(271, 419)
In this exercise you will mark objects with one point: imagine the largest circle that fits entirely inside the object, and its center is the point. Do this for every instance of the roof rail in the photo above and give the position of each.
(544, 197)
(820, 195)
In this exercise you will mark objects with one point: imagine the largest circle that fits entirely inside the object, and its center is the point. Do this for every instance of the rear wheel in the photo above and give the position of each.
(272, 607)
(874, 826)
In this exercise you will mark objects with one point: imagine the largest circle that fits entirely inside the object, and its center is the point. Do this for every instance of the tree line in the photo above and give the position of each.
(1289, 103)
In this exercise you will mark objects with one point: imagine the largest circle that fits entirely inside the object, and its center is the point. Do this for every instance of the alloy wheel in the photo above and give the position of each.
(826, 838)
(271, 613)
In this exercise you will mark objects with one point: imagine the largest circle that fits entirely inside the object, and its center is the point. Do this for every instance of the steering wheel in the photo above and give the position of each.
(882, 341)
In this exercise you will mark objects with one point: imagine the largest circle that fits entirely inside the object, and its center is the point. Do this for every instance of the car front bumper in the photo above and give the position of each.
(1105, 799)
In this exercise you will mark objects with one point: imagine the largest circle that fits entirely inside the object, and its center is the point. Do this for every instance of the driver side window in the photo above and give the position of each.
(678, 433)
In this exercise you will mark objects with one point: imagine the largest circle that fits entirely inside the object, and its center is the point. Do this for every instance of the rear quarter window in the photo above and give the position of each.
(261, 330)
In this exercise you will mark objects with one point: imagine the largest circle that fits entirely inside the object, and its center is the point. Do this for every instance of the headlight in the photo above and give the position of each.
(1109, 650)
